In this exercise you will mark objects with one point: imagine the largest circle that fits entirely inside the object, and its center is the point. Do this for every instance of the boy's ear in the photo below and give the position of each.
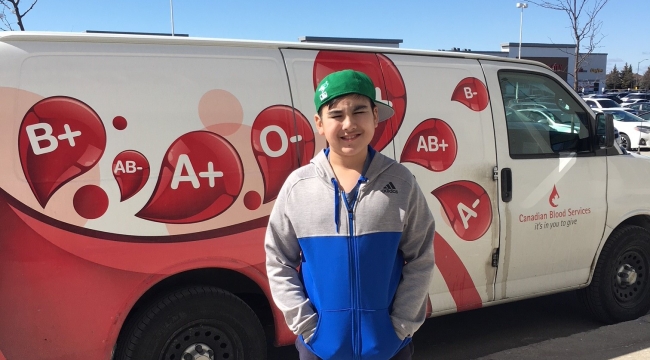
(375, 114)
(319, 124)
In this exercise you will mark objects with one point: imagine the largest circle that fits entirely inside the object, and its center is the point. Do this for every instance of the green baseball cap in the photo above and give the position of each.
(346, 82)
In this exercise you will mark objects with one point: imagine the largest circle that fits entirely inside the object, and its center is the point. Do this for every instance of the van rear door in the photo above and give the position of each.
(447, 142)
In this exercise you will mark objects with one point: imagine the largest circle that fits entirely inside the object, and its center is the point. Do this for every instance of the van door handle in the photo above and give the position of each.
(506, 184)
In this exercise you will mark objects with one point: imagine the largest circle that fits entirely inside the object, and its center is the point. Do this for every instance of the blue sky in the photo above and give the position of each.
(422, 24)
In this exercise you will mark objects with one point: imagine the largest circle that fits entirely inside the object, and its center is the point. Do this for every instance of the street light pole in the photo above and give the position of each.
(637, 72)
(171, 8)
(522, 6)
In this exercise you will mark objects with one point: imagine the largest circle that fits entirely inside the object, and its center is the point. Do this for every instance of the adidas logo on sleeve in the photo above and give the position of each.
(389, 188)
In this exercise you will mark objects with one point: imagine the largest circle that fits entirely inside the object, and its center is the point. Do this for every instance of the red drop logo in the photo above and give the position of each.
(131, 171)
(553, 198)
(59, 139)
(201, 176)
(396, 96)
(278, 149)
(472, 93)
(467, 207)
(385, 76)
(432, 145)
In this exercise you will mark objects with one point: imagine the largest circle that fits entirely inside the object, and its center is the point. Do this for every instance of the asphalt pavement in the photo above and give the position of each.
(624, 341)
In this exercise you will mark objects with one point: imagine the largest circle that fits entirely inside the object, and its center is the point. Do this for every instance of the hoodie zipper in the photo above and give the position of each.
(353, 249)
(355, 296)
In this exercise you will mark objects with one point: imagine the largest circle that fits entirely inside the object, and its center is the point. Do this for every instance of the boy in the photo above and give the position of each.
(349, 245)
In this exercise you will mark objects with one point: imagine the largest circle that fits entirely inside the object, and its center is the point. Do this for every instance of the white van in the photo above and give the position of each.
(140, 171)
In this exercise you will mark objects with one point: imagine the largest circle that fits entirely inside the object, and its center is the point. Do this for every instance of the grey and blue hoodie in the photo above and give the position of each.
(354, 275)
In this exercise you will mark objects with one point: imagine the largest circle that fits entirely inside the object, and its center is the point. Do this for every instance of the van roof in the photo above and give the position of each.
(12, 36)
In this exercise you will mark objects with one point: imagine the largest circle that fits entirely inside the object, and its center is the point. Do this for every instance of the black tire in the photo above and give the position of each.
(174, 325)
(609, 297)
(625, 142)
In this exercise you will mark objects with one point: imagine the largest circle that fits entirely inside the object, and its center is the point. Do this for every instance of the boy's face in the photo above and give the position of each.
(348, 125)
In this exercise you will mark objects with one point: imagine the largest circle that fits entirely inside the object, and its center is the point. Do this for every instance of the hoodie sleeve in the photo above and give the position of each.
(409, 306)
(282, 260)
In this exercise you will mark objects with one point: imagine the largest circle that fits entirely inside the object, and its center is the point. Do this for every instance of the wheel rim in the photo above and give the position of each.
(200, 341)
(631, 278)
(624, 142)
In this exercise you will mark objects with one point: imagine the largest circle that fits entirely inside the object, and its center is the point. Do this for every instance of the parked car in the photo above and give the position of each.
(634, 131)
(632, 102)
(644, 115)
(611, 96)
(619, 94)
(642, 105)
(556, 119)
(600, 104)
(518, 105)
(632, 96)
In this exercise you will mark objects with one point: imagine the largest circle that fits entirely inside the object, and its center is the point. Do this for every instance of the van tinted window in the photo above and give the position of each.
(559, 126)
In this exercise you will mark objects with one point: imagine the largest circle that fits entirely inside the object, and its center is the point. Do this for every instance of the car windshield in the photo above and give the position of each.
(607, 103)
(621, 115)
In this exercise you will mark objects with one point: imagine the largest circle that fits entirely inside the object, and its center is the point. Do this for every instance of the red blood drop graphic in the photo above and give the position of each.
(119, 123)
(396, 94)
(252, 200)
(456, 276)
(432, 145)
(278, 149)
(552, 199)
(201, 176)
(467, 207)
(472, 93)
(131, 171)
(59, 139)
(389, 83)
(90, 201)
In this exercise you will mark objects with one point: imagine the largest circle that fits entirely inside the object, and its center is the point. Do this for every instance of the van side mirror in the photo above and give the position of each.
(605, 129)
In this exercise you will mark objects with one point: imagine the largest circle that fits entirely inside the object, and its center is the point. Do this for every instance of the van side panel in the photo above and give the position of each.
(626, 194)
(175, 177)
(442, 131)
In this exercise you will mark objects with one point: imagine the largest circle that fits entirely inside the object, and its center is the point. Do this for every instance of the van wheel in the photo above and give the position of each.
(198, 322)
(620, 288)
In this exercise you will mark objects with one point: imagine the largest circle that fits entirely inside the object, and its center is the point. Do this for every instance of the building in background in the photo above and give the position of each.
(560, 58)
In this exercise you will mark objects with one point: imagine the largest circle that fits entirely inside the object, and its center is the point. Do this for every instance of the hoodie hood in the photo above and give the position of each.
(378, 164)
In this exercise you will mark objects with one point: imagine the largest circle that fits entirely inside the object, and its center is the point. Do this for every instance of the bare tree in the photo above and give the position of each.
(13, 7)
(585, 29)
